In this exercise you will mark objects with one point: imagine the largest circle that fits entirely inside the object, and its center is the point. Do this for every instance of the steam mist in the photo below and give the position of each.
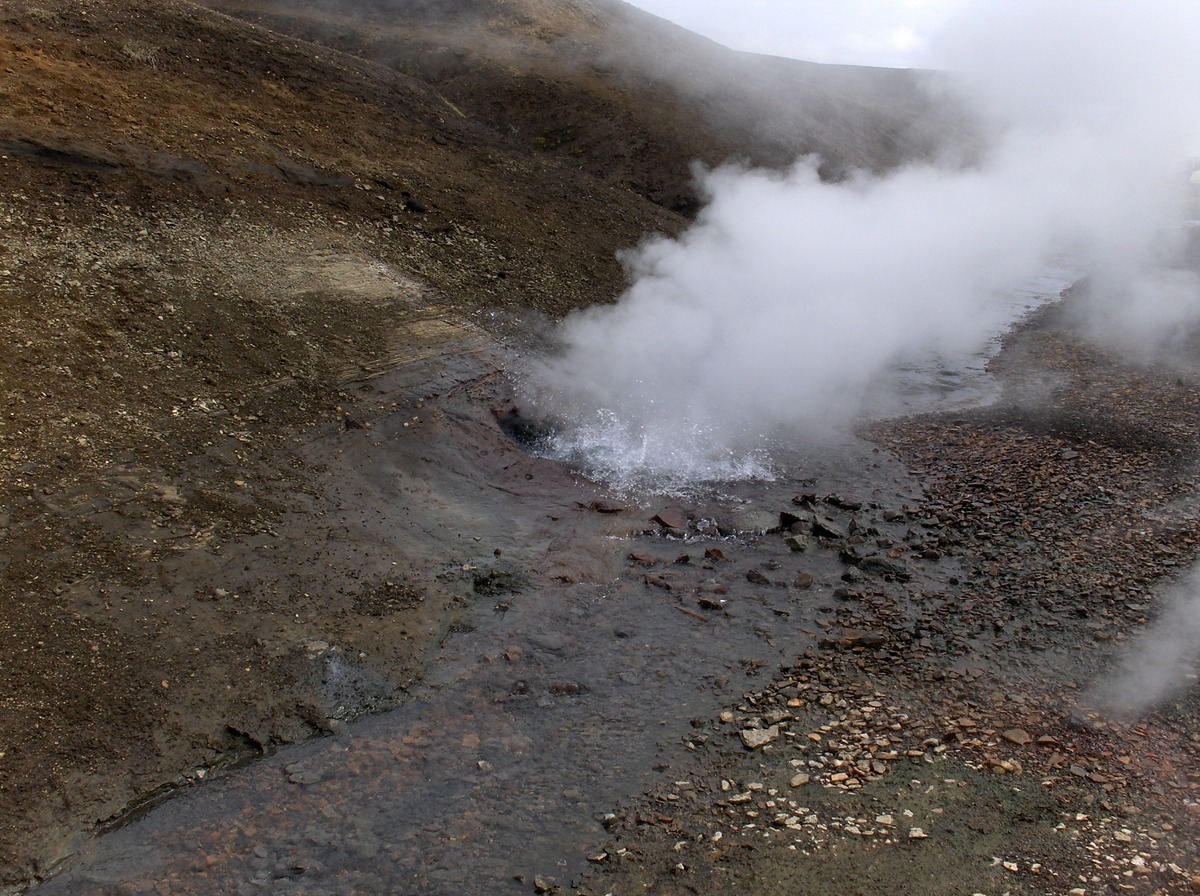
(1165, 659)
(781, 310)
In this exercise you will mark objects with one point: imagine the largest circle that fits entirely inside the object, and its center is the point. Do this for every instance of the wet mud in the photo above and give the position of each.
(595, 633)
(844, 677)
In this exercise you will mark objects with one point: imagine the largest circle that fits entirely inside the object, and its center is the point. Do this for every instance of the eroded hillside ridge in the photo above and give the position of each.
(629, 98)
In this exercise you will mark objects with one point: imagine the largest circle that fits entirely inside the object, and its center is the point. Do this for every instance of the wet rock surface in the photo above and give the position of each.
(665, 702)
(952, 737)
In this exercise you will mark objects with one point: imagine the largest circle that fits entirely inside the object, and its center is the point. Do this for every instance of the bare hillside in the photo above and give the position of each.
(217, 223)
(629, 98)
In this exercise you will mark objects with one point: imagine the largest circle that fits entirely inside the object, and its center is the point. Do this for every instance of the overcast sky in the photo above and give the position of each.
(859, 32)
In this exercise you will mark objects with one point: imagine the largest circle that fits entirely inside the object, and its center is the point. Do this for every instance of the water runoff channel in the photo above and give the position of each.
(563, 694)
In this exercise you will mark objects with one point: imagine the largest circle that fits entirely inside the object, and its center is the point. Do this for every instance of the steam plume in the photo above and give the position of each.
(781, 308)
(1163, 661)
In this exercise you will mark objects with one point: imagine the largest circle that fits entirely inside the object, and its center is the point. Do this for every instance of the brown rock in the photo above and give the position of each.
(857, 637)
(1018, 736)
(671, 519)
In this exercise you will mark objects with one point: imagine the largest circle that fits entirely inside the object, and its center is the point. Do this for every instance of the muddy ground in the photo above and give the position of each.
(211, 239)
(232, 281)
(883, 668)
(960, 735)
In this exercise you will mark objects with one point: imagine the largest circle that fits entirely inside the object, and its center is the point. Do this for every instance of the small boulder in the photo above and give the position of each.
(755, 738)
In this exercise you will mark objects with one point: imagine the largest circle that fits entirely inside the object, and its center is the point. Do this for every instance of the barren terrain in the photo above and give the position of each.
(260, 266)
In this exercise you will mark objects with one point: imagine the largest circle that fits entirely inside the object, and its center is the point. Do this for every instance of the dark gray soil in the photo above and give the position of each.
(256, 287)
(875, 674)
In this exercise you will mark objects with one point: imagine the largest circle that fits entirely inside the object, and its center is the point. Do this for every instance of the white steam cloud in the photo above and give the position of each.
(782, 308)
(1163, 661)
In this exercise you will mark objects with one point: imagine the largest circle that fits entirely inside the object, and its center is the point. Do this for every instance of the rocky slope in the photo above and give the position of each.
(217, 223)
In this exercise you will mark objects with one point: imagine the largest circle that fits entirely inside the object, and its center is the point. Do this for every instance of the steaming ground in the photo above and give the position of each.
(206, 508)
(778, 314)
(686, 459)
(1163, 662)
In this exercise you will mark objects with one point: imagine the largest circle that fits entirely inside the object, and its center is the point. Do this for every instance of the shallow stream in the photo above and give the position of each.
(598, 649)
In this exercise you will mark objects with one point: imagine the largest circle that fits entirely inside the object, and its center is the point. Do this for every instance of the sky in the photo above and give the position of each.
(894, 33)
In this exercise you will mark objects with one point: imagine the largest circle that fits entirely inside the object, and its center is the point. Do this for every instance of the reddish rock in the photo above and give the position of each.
(671, 519)
(1018, 736)
(857, 637)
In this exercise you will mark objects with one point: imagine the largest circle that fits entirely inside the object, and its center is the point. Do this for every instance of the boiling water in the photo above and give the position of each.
(683, 457)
